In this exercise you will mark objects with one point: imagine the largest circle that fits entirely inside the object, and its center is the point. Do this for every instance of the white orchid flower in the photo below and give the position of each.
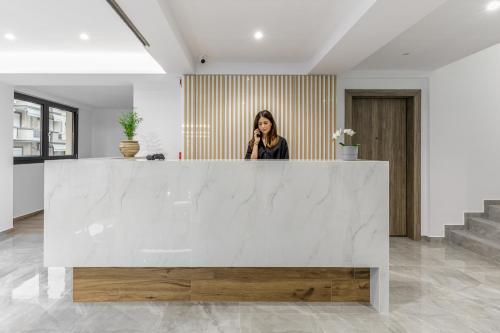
(337, 134)
(349, 132)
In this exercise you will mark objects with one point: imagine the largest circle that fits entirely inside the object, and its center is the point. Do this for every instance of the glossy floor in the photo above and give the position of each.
(435, 287)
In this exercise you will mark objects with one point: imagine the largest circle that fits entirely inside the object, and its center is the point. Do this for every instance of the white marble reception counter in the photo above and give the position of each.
(137, 213)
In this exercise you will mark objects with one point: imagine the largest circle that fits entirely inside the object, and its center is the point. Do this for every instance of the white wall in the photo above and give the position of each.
(465, 137)
(160, 106)
(6, 187)
(84, 132)
(106, 132)
(394, 80)
(28, 188)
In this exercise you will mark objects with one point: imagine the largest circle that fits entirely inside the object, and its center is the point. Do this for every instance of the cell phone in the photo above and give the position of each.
(258, 134)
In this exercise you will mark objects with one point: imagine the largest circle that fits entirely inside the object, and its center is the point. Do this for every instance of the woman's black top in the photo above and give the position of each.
(278, 152)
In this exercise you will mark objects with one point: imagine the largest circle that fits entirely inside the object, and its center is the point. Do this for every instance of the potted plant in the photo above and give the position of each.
(349, 152)
(129, 122)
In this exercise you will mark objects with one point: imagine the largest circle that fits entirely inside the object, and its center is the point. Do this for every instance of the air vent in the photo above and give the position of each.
(127, 21)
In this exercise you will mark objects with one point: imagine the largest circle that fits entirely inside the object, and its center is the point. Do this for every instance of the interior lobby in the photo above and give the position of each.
(249, 166)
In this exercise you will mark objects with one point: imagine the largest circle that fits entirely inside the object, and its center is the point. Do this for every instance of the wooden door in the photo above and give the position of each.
(380, 124)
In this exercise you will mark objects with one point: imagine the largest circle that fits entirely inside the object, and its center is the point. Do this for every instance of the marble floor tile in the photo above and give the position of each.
(435, 287)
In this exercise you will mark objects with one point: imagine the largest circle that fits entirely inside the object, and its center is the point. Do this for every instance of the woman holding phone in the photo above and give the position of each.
(266, 143)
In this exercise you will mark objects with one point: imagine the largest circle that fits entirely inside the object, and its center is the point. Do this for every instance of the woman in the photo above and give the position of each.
(266, 143)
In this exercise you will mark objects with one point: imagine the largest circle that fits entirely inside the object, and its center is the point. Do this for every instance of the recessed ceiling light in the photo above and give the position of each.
(9, 36)
(258, 35)
(493, 5)
(84, 36)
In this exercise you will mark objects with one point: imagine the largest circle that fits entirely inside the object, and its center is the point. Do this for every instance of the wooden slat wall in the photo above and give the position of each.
(219, 111)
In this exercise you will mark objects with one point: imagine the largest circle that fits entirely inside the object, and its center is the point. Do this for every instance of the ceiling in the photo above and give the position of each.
(300, 36)
(454, 30)
(47, 38)
(95, 97)
(294, 30)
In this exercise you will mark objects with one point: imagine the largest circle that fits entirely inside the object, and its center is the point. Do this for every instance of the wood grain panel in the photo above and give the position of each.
(219, 111)
(262, 291)
(221, 284)
(121, 284)
(351, 291)
(380, 124)
(362, 273)
(413, 171)
(413, 147)
(282, 273)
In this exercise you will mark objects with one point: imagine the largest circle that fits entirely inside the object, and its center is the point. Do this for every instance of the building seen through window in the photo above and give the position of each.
(27, 128)
(60, 132)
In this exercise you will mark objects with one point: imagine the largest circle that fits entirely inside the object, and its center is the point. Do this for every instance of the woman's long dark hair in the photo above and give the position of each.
(273, 134)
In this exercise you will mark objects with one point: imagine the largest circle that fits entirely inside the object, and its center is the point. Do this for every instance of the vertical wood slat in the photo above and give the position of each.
(219, 111)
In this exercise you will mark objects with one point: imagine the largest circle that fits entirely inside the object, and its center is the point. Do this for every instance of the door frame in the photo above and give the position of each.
(413, 146)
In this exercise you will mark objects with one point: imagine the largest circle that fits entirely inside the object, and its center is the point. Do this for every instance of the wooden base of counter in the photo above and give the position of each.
(266, 284)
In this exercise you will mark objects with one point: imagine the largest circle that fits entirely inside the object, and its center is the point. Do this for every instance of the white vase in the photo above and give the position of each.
(350, 153)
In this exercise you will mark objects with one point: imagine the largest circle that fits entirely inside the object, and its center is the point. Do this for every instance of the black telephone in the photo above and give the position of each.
(152, 157)
(258, 133)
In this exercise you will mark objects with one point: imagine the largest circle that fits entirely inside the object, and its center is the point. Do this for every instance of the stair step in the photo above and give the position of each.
(475, 243)
(484, 228)
(494, 212)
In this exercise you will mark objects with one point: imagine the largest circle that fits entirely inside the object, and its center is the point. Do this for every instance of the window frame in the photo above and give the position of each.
(44, 135)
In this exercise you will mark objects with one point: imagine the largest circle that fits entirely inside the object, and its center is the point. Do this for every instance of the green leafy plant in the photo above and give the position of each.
(129, 122)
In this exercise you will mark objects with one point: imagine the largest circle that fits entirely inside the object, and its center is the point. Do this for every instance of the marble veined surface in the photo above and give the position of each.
(436, 287)
(136, 213)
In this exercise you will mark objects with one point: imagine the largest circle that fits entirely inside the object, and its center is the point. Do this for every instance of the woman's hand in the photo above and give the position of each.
(256, 136)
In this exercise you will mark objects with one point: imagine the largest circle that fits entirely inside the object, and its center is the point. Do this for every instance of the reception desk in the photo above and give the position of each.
(220, 230)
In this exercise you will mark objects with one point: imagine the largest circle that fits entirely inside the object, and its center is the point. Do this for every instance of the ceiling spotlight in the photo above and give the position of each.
(9, 36)
(258, 35)
(84, 36)
(493, 5)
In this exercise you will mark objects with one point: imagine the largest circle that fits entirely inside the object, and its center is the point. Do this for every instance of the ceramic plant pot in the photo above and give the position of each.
(129, 148)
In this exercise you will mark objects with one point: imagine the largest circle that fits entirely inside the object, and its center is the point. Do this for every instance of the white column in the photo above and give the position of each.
(6, 155)
(159, 104)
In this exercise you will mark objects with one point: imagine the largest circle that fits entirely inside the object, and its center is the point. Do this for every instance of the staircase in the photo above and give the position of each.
(481, 232)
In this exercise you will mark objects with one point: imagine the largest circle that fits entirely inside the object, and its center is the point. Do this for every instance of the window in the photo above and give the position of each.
(27, 128)
(60, 132)
(43, 130)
